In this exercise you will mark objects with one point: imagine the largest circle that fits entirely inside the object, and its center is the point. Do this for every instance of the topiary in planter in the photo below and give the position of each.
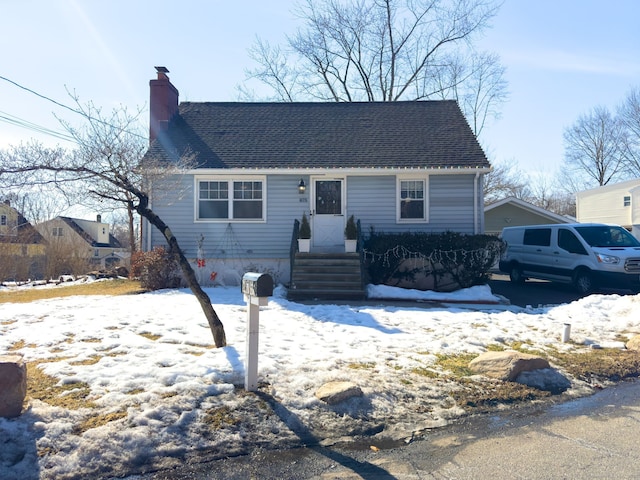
(305, 228)
(351, 231)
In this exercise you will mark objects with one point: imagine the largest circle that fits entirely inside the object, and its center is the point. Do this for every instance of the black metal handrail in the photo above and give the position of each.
(360, 250)
(293, 248)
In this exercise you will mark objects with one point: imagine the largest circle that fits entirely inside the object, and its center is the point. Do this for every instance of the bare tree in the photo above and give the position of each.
(505, 180)
(386, 50)
(37, 205)
(106, 165)
(545, 193)
(120, 228)
(594, 150)
(629, 114)
(477, 83)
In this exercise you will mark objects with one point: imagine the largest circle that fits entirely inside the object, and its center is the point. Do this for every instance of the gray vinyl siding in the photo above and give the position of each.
(451, 204)
(235, 239)
(372, 199)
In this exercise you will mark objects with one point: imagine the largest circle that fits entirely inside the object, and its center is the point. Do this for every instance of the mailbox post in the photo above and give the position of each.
(256, 287)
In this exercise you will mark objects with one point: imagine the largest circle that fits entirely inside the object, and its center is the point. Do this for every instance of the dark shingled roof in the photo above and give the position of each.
(113, 241)
(373, 135)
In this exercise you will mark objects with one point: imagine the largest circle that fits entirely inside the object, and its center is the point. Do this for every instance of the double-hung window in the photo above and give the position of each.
(230, 199)
(412, 200)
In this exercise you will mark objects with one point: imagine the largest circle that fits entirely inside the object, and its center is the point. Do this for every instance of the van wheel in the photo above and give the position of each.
(515, 274)
(583, 282)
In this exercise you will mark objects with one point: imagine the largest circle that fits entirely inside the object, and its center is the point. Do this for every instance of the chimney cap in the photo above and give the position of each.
(162, 69)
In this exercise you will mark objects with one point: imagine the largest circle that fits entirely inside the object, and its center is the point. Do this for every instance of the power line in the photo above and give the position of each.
(41, 96)
(79, 112)
(19, 122)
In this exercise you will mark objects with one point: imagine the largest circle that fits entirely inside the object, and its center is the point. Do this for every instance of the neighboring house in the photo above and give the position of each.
(76, 244)
(395, 166)
(22, 248)
(513, 212)
(618, 203)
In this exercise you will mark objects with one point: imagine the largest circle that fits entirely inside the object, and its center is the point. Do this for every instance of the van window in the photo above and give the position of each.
(537, 236)
(607, 236)
(569, 242)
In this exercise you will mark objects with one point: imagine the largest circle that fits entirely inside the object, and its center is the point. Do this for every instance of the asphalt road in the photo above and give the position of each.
(589, 438)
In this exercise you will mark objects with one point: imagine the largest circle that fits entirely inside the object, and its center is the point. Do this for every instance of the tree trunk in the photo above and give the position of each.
(217, 329)
(132, 236)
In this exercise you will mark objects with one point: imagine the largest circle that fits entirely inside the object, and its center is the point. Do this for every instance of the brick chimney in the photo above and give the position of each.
(163, 104)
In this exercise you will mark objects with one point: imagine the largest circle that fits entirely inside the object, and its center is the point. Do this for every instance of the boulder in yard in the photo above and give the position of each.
(336, 392)
(547, 379)
(634, 344)
(13, 385)
(506, 365)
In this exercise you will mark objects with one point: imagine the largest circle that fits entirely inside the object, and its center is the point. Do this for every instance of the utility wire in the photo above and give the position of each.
(19, 122)
(79, 112)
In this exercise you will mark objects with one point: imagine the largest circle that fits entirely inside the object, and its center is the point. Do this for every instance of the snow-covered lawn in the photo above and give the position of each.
(159, 392)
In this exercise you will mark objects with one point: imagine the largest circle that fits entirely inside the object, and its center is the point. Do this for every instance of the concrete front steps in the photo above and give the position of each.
(326, 276)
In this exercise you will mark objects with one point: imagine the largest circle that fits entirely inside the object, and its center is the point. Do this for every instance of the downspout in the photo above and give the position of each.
(475, 204)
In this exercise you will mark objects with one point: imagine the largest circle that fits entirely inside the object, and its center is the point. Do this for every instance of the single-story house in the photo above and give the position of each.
(76, 245)
(514, 212)
(396, 166)
(618, 203)
(22, 248)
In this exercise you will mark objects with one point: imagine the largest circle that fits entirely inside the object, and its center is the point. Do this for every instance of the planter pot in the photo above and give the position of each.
(350, 246)
(304, 245)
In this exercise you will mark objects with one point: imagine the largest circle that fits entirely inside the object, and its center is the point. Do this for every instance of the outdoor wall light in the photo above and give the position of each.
(302, 187)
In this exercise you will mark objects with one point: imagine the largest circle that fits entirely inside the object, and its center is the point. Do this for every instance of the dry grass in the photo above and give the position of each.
(220, 417)
(151, 336)
(362, 365)
(43, 387)
(107, 287)
(600, 364)
(96, 421)
(458, 365)
(482, 396)
(593, 366)
(92, 360)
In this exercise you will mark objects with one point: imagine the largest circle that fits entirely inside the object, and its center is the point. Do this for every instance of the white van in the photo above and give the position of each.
(587, 255)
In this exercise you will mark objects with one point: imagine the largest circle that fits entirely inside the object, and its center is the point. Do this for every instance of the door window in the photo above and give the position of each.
(569, 242)
(328, 197)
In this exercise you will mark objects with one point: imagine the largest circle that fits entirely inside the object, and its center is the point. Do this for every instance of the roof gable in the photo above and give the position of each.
(529, 207)
(370, 135)
(18, 230)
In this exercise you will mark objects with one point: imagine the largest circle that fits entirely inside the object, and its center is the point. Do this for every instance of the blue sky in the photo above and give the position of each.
(563, 57)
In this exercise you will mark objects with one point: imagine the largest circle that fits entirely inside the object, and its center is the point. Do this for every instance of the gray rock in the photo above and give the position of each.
(336, 392)
(506, 365)
(547, 379)
(13, 385)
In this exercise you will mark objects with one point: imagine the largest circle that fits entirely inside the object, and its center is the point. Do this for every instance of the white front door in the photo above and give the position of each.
(328, 212)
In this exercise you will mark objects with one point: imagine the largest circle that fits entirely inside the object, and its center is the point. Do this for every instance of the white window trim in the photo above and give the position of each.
(230, 179)
(399, 180)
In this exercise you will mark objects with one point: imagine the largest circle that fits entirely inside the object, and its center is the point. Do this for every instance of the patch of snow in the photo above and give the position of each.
(149, 358)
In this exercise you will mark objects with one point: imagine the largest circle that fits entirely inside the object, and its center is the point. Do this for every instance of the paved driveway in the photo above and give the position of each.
(538, 292)
(532, 292)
